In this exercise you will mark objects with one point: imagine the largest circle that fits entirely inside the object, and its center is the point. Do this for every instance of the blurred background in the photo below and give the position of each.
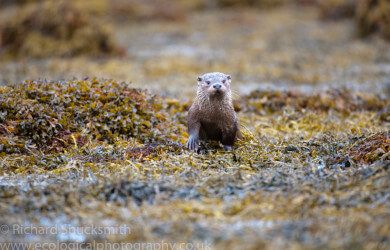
(163, 45)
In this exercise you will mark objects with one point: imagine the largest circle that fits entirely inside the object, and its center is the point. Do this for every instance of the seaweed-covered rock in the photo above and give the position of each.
(372, 148)
(340, 100)
(51, 116)
(374, 16)
(365, 150)
(175, 10)
(252, 3)
(54, 29)
(7, 2)
(337, 9)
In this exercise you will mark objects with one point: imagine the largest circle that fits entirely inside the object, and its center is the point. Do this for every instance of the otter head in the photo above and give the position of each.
(214, 84)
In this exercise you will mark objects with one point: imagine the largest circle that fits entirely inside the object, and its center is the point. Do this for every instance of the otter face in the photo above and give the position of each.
(215, 84)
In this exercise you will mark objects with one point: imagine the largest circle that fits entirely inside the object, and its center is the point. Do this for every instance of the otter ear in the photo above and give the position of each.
(229, 77)
(199, 80)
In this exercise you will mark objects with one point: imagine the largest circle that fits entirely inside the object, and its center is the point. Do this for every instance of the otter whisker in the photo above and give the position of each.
(236, 95)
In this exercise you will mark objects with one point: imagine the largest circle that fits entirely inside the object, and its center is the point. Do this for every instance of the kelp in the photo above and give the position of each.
(373, 16)
(365, 150)
(54, 28)
(337, 9)
(51, 116)
(143, 10)
(341, 100)
(251, 3)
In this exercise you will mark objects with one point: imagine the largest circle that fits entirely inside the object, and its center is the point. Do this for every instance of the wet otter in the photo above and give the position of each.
(212, 115)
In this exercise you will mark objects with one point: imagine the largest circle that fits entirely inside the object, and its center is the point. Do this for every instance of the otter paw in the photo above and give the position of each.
(227, 148)
(193, 143)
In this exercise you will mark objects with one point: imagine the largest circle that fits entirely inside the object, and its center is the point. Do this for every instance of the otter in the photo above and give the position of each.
(212, 115)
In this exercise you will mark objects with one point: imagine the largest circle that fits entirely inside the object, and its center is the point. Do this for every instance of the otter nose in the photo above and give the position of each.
(217, 86)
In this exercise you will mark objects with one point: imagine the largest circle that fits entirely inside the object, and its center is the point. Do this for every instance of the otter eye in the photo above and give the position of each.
(208, 82)
(223, 81)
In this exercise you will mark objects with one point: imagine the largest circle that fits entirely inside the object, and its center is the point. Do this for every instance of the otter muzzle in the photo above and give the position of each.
(217, 86)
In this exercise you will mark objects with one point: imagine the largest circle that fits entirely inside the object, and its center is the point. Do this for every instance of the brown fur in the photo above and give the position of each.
(212, 116)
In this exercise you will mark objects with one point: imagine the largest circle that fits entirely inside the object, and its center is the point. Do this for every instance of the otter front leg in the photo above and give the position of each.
(228, 138)
(227, 148)
(193, 142)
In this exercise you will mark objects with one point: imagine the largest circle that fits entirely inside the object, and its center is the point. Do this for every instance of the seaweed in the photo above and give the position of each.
(337, 9)
(51, 116)
(54, 28)
(366, 150)
(341, 100)
(251, 3)
(175, 10)
(373, 16)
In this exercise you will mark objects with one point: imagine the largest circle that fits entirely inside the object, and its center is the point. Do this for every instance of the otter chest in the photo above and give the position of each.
(214, 127)
(212, 130)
